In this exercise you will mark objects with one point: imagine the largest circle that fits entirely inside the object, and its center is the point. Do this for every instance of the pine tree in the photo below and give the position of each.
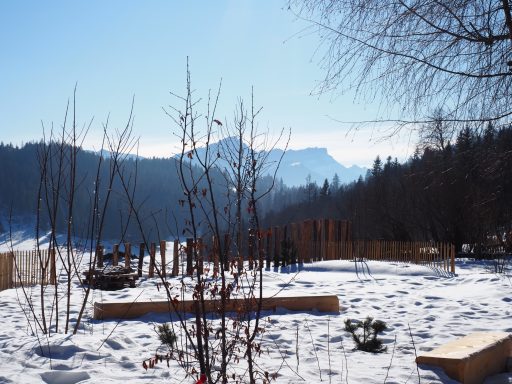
(325, 190)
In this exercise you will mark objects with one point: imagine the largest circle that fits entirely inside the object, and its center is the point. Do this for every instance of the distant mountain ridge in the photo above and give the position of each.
(298, 164)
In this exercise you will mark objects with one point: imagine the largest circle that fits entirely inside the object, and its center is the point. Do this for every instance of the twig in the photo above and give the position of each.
(329, 348)
(283, 357)
(346, 363)
(297, 346)
(119, 321)
(415, 354)
(391, 361)
(314, 349)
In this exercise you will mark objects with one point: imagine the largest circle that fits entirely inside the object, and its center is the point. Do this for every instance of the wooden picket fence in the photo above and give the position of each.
(27, 268)
(296, 243)
(317, 240)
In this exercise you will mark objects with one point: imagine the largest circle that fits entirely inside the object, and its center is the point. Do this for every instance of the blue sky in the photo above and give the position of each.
(118, 49)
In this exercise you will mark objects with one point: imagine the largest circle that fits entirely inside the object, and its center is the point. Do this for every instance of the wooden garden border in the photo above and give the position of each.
(128, 310)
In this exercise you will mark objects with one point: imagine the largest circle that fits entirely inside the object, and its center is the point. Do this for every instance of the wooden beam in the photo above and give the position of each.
(128, 310)
(472, 358)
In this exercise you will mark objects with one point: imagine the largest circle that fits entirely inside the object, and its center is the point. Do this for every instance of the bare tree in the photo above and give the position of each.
(418, 54)
(438, 133)
(219, 167)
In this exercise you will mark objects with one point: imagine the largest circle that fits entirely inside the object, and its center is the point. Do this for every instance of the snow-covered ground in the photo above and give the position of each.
(436, 307)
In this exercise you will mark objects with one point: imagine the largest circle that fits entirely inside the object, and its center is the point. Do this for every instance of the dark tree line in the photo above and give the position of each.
(460, 192)
(158, 195)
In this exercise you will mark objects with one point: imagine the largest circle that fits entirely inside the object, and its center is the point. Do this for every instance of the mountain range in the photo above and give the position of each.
(298, 165)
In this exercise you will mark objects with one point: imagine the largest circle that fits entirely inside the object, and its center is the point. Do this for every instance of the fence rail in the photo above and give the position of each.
(27, 268)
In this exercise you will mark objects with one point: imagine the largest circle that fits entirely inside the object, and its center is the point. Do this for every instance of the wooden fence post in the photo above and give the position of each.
(452, 258)
(142, 247)
(115, 254)
(277, 245)
(301, 243)
(251, 244)
(53, 267)
(175, 259)
(215, 256)
(99, 256)
(152, 252)
(163, 247)
(199, 254)
(268, 248)
(283, 240)
(239, 252)
(128, 256)
(190, 250)
(294, 244)
(306, 235)
(261, 250)
(227, 251)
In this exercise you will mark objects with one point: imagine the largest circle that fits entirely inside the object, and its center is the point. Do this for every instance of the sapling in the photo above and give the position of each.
(367, 340)
(166, 335)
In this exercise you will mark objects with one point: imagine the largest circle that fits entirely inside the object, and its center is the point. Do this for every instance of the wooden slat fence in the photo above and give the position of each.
(305, 242)
(317, 240)
(27, 268)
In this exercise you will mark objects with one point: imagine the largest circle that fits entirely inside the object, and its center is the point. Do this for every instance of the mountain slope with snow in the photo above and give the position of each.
(297, 164)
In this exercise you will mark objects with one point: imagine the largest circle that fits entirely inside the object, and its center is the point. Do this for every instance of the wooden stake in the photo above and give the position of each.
(175, 259)
(99, 256)
(152, 252)
(142, 247)
(127, 256)
(115, 255)
(190, 250)
(163, 246)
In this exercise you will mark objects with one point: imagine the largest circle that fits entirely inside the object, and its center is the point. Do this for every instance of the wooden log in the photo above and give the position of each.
(128, 310)
(470, 359)
(175, 258)
(163, 247)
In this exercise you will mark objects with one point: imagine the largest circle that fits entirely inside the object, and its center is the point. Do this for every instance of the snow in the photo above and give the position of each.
(437, 307)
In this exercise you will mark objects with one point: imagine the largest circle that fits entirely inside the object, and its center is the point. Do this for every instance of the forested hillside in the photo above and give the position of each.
(461, 193)
(152, 185)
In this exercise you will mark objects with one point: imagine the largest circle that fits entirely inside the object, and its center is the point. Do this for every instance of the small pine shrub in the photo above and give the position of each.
(367, 340)
(166, 335)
